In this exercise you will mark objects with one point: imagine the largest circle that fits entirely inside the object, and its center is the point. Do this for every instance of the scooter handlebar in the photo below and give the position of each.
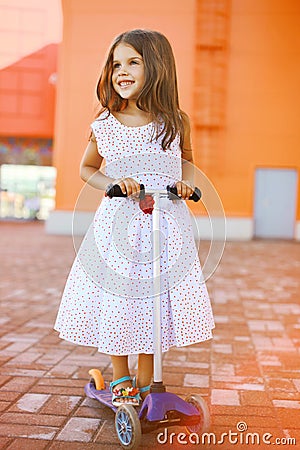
(173, 195)
(115, 191)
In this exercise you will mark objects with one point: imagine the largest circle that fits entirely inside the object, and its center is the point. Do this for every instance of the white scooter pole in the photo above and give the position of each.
(157, 385)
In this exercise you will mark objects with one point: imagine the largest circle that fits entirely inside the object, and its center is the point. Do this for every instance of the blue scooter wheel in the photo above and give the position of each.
(128, 427)
(204, 418)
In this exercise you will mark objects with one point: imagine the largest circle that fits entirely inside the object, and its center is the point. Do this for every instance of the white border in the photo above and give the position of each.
(237, 228)
(297, 231)
(61, 222)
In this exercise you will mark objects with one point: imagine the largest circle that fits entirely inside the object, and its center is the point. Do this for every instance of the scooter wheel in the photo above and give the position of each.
(128, 427)
(204, 418)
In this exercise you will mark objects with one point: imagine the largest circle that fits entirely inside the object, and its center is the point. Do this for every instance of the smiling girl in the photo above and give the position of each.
(144, 137)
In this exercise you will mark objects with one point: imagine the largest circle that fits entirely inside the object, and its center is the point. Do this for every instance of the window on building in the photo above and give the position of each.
(27, 192)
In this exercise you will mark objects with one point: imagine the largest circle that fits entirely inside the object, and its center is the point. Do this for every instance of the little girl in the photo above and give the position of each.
(144, 138)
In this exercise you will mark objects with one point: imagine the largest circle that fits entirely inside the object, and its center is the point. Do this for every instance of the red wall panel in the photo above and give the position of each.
(27, 98)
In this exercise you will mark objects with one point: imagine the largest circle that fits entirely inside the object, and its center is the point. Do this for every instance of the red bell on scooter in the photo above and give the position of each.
(146, 204)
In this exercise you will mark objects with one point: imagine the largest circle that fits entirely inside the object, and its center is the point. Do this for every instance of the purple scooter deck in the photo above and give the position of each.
(155, 405)
(104, 396)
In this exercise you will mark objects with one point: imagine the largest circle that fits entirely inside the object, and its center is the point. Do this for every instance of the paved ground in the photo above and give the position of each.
(249, 372)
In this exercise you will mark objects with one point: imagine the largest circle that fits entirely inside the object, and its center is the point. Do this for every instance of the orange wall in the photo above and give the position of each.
(30, 32)
(262, 98)
(89, 28)
(27, 98)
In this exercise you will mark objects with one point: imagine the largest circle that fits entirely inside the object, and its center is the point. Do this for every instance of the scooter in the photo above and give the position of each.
(159, 408)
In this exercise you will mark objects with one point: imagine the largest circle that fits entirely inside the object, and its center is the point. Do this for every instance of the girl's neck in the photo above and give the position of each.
(132, 115)
(132, 108)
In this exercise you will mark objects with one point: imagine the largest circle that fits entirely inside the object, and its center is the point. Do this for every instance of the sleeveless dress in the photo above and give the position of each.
(108, 297)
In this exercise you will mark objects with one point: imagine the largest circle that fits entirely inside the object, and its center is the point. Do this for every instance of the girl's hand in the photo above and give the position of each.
(184, 189)
(129, 186)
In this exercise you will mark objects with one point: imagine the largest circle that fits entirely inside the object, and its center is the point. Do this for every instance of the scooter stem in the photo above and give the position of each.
(156, 291)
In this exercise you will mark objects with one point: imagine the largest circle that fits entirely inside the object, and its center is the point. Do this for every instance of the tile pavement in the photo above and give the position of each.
(249, 372)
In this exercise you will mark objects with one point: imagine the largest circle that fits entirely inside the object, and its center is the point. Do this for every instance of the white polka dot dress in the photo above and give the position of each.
(108, 298)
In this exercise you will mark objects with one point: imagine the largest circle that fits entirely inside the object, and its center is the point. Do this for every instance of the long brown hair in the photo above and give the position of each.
(159, 95)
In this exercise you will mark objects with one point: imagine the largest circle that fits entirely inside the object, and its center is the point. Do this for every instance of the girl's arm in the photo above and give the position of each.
(90, 171)
(90, 167)
(185, 188)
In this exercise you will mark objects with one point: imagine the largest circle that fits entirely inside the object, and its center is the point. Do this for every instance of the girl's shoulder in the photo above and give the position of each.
(101, 120)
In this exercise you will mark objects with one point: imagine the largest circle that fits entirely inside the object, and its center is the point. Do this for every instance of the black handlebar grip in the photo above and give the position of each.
(172, 194)
(114, 190)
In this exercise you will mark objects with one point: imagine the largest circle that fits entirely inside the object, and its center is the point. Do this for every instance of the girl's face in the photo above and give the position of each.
(128, 76)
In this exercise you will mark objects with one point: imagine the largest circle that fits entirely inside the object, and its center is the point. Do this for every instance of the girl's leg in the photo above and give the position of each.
(145, 371)
(120, 369)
